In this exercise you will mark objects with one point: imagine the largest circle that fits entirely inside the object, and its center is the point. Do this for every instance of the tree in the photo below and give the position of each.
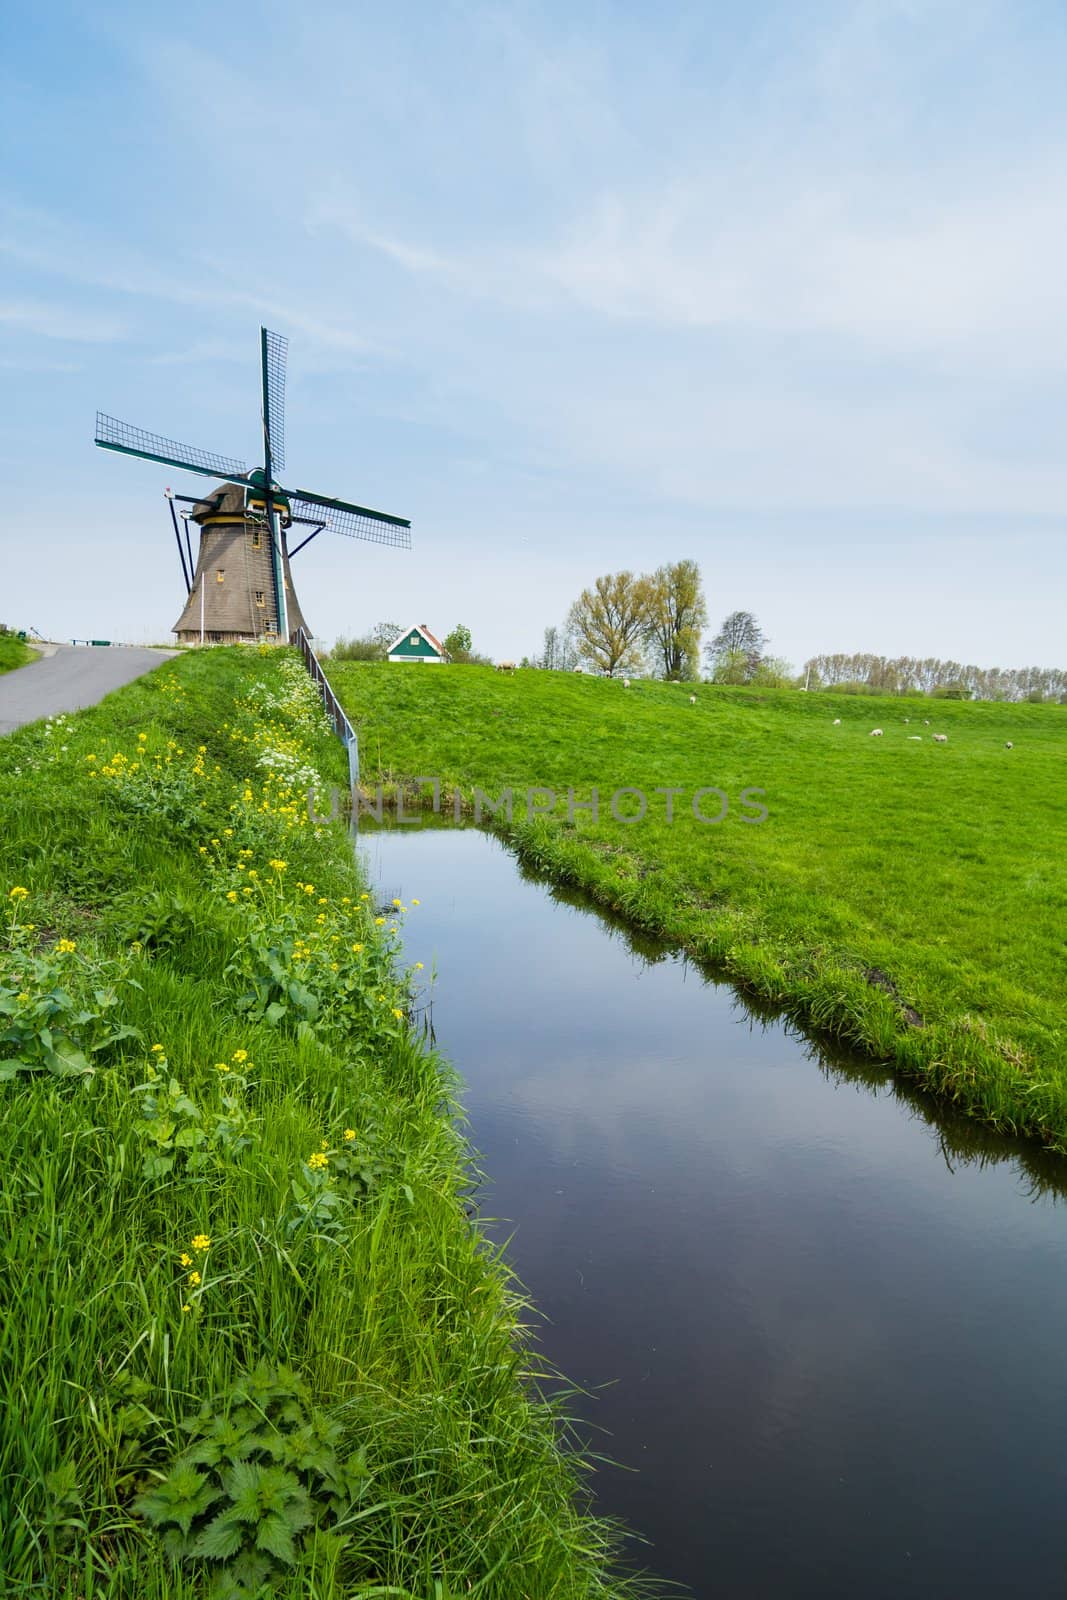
(774, 672)
(677, 613)
(458, 643)
(739, 635)
(384, 634)
(609, 621)
(559, 654)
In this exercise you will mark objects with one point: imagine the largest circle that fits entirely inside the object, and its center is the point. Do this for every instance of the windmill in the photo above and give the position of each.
(240, 586)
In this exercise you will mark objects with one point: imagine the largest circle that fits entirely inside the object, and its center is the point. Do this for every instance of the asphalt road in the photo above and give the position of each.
(72, 677)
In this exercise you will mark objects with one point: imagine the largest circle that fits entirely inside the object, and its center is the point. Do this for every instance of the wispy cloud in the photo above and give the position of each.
(61, 322)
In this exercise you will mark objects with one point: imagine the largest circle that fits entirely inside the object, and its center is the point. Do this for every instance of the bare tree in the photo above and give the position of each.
(559, 654)
(677, 613)
(609, 621)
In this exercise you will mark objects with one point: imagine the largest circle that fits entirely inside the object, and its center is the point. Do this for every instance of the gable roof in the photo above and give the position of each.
(433, 642)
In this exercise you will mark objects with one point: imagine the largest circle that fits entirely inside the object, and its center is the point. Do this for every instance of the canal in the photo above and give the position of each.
(820, 1322)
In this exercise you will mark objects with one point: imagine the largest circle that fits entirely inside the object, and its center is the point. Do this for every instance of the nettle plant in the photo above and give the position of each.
(263, 1479)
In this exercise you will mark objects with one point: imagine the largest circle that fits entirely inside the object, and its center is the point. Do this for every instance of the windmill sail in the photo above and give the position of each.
(111, 434)
(355, 522)
(274, 349)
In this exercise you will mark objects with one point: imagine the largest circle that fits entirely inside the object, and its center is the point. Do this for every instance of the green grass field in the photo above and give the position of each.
(251, 1341)
(907, 897)
(13, 653)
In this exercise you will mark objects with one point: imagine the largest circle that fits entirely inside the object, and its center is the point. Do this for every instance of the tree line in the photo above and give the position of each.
(863, 672)
(651, 624)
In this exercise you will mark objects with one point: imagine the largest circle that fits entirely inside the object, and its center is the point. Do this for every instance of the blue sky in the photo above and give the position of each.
(777, 287)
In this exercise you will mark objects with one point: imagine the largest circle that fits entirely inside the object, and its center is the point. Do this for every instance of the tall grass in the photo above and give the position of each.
(227, 1150)
(13, 652)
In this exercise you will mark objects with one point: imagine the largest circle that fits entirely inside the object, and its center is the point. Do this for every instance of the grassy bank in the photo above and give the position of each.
(13, 652)
(249, 1335)
(908, 897)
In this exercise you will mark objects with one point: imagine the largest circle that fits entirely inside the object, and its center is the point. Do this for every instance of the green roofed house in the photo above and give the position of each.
(418, 644)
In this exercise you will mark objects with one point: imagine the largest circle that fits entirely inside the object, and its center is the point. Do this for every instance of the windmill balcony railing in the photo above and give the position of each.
(332, 706)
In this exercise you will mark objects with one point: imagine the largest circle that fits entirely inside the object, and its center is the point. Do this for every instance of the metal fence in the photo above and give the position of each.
(332, 706)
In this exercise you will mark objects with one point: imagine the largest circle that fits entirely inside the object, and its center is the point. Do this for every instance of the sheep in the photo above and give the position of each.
(939, 738)
(626, 683)
(876, 733)
(1009, 745)
(692, 699)
(837, 722)
(926, 722)
(505, 666)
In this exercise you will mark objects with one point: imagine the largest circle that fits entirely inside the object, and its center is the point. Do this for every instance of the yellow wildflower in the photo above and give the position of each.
(379, 922)
(398, 1014)
(194, 1278)
(240, 1055)
(418, 966)
(231, 894)
(396, 902)
(317, 1161)
(201, 1242)
(356, 948)
(17, 893)
(222, 1066)
(65, 946)
(278, 866)
(142, 738)
(416, 902)
(350, 1134)
(157, 1049)
(227, 833)
(185, 1259)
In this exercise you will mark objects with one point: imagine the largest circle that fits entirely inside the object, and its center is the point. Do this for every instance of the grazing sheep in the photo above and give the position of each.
(692, 699)
(626, 683)
(505, 666)
(939, 738)
(1009, 745)
(876, 733)
(837, 722)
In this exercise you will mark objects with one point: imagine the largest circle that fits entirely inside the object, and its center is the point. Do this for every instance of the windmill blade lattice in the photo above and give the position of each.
(275, 353)
(112, 434)
(355, 522)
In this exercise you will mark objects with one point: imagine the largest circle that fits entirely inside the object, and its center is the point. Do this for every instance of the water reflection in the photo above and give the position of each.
(821, 1316)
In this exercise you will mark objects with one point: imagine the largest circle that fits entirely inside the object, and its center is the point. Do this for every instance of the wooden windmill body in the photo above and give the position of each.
(240, 587)
(232, 599)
